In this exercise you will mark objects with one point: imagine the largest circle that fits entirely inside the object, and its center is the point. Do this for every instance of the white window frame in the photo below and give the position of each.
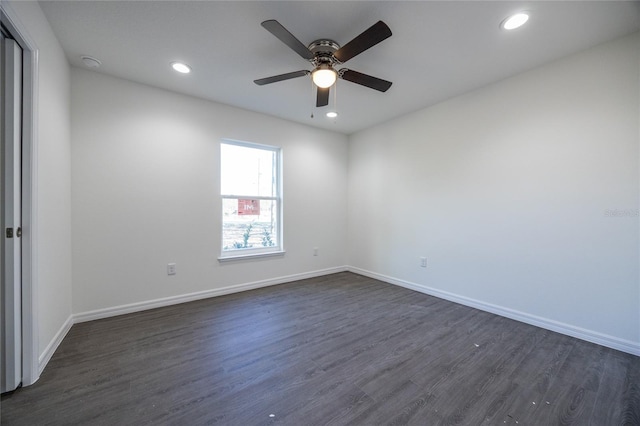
(258, 252)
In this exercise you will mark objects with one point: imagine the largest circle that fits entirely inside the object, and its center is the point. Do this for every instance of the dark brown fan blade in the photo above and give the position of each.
(365, 80)
(275, 28)
(323, 97)
(276, 78)
(372, 36)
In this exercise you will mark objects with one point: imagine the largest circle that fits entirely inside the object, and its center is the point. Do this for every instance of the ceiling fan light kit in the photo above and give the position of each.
(324, 76)
(325, 55)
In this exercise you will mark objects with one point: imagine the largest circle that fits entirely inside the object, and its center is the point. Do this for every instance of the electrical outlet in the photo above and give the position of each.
(423, 262)
(171, 269)
(315, 251)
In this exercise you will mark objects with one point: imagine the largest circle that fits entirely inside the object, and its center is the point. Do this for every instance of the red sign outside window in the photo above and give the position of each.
(248, 207)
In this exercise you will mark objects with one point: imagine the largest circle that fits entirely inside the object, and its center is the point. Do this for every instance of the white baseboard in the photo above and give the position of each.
(174, 300)
(48, 352)
(559, 327)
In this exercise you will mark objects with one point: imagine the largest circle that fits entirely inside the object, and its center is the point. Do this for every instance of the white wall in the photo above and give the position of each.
(53, 261)
(506, 190)
(145, 192)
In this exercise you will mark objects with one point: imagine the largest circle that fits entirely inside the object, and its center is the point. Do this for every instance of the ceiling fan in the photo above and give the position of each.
(325, 54)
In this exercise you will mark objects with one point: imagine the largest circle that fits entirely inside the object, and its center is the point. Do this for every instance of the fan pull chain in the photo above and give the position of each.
(335, 97)
(313, 92)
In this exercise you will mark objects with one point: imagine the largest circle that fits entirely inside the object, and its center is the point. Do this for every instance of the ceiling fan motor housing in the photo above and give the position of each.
(323, 51)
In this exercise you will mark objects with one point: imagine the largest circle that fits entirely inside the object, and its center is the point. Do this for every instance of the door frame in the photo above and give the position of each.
(30, 335)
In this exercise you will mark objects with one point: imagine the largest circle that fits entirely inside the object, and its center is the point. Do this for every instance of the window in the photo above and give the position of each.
(250, 185)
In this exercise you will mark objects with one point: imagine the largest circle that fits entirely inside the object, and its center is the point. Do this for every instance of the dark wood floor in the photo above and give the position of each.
(340, 349)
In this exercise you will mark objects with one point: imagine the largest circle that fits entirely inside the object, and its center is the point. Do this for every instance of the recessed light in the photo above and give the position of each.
(181, 67)
(515, 21)
(90, 61)
(332, 114)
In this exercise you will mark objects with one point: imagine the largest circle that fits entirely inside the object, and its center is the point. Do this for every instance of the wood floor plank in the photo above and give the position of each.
(618, 396)
(394, 402)
(340, 349)
(495, 360)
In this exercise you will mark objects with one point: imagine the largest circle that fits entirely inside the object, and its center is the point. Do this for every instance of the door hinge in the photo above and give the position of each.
(9, 233)
(19, 232)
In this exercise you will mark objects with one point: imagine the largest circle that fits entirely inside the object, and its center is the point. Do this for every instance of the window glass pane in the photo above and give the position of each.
(248, 171)
(249, 224)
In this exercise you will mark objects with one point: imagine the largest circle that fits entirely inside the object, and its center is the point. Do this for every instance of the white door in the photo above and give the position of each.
(10, 172)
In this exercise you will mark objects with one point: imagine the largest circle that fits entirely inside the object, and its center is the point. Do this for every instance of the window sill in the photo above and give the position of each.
(238, 257)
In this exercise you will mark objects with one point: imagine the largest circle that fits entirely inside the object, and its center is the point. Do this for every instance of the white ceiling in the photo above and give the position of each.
(438, 49)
